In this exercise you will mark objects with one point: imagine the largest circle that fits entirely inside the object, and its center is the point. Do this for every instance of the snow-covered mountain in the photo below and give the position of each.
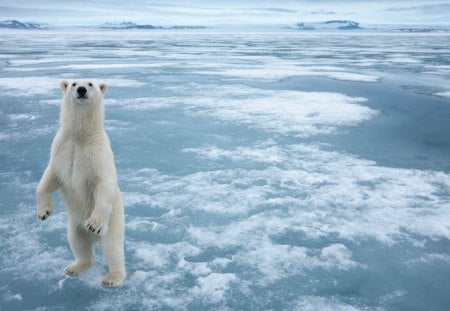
(329, 25)
(127, 25)
(15, 24)
(131, 25)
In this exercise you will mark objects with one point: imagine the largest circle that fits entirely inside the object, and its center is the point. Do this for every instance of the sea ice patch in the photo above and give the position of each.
(28, 86)
(337, 255)
(37, 85)
(300, 113)
(277, 73)
(214, 286)
(387, 200)
(144, 104)
(22, 117)
(445, 94)
(314, 303)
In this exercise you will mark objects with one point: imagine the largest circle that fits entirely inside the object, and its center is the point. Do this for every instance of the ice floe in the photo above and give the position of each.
(303, 113)
(41, 85)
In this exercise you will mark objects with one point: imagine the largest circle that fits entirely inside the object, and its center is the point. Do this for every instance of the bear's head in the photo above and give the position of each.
(83, 92)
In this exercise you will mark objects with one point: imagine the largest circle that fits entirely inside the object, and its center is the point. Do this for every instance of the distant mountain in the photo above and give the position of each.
(15, 24)
(127, 25)
(131, 25)
(186, 27)
(329, 25)
(419, 29)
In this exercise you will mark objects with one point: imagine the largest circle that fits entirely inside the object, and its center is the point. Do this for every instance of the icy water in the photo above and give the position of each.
(260, 171)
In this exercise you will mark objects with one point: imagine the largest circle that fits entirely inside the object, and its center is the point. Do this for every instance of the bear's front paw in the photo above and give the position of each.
(45, 208)
(96, 226)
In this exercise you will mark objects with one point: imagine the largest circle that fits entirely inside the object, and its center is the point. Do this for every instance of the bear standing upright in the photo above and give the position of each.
(82, 168)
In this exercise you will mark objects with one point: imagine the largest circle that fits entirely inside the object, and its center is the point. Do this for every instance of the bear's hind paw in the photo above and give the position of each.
(76, 268)
(113, 279)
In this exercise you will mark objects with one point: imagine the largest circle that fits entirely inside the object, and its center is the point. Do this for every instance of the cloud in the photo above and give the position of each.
(429, 9)
(322, 12)
(158, 13)
(214, 13)
(274, 10)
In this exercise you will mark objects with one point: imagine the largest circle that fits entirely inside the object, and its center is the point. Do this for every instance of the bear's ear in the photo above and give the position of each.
(64, 84)
(103, 87)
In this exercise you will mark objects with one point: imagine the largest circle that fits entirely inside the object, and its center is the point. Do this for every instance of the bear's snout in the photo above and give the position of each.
(81, 92)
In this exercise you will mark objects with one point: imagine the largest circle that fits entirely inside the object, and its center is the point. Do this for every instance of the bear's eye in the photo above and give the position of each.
(90, 84)
(74, 84)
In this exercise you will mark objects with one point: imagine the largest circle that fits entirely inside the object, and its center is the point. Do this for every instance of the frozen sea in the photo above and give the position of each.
(260, 171)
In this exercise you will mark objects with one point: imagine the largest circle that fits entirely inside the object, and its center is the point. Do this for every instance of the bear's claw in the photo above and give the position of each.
(95, 226)
(44, 216)
(92, 229)
(45, 206)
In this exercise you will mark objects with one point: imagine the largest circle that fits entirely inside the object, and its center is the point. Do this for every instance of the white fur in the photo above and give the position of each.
(82, 168)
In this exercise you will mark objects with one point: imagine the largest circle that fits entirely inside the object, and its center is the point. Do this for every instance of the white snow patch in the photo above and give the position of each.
(8, 296)
(316, 303)
(445, 94)
(349, 76)
(271, 154)
(145, 103)
(51, 102)
(4, 136)
(300, 113)
(214, 287)
(39, 61)
(275, 261)
(321, 193)
(22, 116)
(338, 255)
(120, 82)
(440, 70)
(161, 255)
(133, 198)
(403, 59)
(87, 66)
(142, 224)
(430, 258)
(29, 86)
(278, 73)
(220, 263)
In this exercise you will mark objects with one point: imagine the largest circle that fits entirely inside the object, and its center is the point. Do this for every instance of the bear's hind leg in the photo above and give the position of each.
(82, 245)
(112, 245)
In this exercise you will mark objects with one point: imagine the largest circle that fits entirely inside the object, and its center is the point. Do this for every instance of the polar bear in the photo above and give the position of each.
(82, 168)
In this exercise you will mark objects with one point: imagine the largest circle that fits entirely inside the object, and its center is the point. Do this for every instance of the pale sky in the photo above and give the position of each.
(231, 12)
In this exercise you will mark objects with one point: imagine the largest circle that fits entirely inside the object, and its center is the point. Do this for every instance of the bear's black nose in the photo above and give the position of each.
(81, 91)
